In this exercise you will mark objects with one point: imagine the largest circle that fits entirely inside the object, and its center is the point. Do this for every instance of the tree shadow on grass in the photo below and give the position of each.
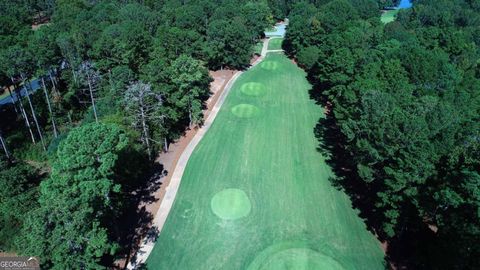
(140, 179)
(414, 248)
(332, 147)
(417, 248)
(331, 144)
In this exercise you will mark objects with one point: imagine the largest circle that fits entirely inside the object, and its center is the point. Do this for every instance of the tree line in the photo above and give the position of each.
(117, 82)
(402, 130)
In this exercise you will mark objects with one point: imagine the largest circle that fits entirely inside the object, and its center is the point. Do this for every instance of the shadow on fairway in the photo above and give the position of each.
(331, 144)
(332, 147)
(140, 179)
(416, 247)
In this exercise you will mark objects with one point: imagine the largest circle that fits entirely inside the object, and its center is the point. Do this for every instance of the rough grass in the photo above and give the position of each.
(257, 48)
(275, 44)
(389, 16)
(297, 219)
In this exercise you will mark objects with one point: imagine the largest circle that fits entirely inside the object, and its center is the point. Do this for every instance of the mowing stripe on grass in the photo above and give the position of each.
(245, 110)
(269, 65)
(294, 218)
(275, 44)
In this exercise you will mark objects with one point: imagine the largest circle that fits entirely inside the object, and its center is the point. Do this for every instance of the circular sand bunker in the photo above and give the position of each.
(245, 110)
(269, 65)
(231, 204)
(293, 255)
(254, 89)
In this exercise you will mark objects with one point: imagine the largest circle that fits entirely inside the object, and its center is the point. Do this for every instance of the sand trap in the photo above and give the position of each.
(231, 204)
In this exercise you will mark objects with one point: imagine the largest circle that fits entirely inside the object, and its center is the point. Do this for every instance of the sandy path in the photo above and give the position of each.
(264, 48)
(170, 158)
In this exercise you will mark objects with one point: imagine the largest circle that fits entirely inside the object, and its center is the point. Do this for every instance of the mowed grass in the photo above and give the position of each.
(262, 145)
(275, 44)
(389, 16)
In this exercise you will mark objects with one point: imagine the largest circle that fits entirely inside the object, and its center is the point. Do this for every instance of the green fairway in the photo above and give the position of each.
(275, 44)
(389, 16)
(255, 194)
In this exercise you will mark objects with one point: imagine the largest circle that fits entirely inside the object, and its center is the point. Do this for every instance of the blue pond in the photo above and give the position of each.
(279, 31)
(405, 4)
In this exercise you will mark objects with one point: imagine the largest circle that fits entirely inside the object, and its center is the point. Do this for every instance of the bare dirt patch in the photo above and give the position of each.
(254, 59)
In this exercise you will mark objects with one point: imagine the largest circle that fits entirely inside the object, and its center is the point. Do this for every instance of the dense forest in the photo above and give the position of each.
(403, 125)
(119, 80)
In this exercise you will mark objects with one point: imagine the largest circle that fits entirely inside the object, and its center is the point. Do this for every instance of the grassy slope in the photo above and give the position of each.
(275, 44)
(273, 158)
(389, 16)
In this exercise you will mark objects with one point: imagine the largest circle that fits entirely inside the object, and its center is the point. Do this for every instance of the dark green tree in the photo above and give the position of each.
(70, 227)
(228, 44)
(19, 183)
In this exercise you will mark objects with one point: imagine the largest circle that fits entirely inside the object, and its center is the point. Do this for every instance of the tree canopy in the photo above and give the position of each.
(402, 98)
(118, 82)
(70, 226)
